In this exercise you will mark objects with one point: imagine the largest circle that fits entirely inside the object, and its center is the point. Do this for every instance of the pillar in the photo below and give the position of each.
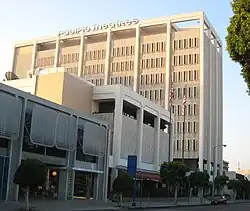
(81, 57)
(220, 90)
(211, 103)
(114, 174)
(139, 138)
(107, 58)
(171, 150)
(168, 72)
(16, 147)
(57, 52)
(202, 97)
(67, 178)
(137, 60)
(100, 180)
(217, 130)
(170, 141)
(157, 122)
(33, 62)
(117, 136)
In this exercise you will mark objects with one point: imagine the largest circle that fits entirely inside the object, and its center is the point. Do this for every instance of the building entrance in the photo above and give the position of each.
(84, 185)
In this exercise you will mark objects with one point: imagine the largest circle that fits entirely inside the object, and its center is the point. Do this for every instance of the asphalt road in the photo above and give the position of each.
(227, 207)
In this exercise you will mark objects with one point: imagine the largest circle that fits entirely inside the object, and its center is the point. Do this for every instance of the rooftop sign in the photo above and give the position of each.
(98, 27)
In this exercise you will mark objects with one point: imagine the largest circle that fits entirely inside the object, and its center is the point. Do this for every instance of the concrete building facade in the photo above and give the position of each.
(34, 128)
(148, 57)
(137, 125)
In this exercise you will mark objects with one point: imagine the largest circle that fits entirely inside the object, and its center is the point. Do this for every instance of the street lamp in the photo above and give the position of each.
(215, 167)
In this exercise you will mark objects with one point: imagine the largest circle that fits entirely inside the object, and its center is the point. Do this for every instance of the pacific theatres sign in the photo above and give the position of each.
(98, 27)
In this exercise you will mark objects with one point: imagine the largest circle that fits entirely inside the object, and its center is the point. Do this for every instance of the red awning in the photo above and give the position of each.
(148, 176)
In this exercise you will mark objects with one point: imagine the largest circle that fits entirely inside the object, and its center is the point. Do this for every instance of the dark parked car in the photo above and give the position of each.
(219, 200)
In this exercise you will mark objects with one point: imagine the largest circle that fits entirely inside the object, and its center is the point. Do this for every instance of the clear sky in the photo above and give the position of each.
(26, 19)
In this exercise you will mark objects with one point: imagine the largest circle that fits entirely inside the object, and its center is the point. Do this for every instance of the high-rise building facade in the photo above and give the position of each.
(149, 57)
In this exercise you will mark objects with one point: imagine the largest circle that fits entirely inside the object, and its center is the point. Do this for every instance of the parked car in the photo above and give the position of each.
(219, 200)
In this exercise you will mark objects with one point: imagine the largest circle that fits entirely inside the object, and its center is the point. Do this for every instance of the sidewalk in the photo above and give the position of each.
(55, 205)
(166, 203)
(88, 205)
(181, 203)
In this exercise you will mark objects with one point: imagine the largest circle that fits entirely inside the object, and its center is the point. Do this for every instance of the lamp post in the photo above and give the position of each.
(215, 167)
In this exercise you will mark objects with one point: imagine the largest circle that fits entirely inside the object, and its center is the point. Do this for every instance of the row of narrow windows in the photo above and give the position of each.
(153, 63)
(186, 59)
(126, 80)
(192, 109)
(153, 47)
(123, 51)
(45, 61)
(156, 94)
(95, 54)
(190, 127)
(145, 64)
(97, 81)
(191, 145)
(94, 69)
(122, 66)
(191, 92)
(186, 43)
(72, 70)
(64, 59)
(126, 51)
(187, 75)
(158, 78)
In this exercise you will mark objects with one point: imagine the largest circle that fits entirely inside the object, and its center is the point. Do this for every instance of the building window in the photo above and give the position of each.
(195, 127)
(194, 145)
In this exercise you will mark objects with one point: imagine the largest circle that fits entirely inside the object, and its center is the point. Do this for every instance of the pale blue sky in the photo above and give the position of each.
(26, 19)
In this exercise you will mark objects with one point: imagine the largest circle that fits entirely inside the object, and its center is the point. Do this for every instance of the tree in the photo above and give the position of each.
(199, 180)
(245, 188)
(30, 174)
(235, 186)
(174, 173)
(122, 183)
(238, 37)
(220, 181)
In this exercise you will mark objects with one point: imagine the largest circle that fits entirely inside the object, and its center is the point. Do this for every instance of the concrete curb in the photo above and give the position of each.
(178, 206)
(99, 208)
(166, 206)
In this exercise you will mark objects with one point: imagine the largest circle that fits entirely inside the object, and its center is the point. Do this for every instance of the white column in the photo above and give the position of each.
(139, 117)
(171, 150)
(220, 90)
(15, 153)
(81, 57)
(168, 73)
(57, 52)
(157, 122)
(33, 62)
(137, 60)
(107, 59)
(216, 109)
(202, 97)
(117, 136)
(210, 107)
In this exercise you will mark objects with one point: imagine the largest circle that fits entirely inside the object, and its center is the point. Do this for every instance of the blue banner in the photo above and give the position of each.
(132, 165)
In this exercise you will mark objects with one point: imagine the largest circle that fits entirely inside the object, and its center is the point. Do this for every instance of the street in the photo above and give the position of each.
(227, 207)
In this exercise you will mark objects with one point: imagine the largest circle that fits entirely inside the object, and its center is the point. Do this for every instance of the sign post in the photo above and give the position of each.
(132, 169)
